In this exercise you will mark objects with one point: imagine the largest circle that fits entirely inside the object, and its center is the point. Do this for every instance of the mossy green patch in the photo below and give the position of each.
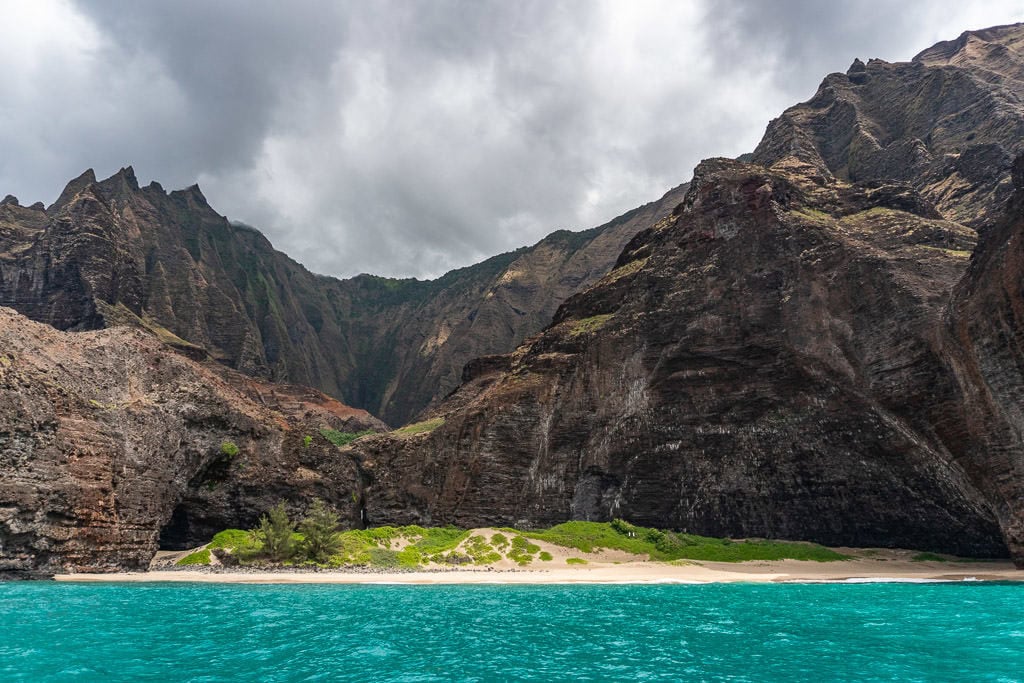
(199, 557)
(234, 540)
(813, 215)
(588, 325)
(575, 560)
(424, 427)
(625, 270)
(343, 438)
(669, 545)
(955, 253)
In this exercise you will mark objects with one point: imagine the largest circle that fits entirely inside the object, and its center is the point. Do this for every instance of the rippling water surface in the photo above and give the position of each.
(204, 632)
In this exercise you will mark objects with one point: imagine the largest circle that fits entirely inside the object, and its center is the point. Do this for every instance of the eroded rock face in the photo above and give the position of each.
(949, 122)
(105, 436)
(761, 363)
(986, 351)
(108, 253)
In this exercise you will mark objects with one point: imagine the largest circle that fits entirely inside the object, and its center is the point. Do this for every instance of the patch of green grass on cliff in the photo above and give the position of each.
(575, 560)
(424, 427)
(120, 314)
(588, 325)
(668, 545)
(813, 215)
(627, 269)
(343, 438)
(199, 557)
(956, 253)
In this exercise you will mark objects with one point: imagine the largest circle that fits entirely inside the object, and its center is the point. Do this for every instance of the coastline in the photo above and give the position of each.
(778, 571)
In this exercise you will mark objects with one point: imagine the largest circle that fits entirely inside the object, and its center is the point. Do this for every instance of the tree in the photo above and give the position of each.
(275, 533)
(320, 530)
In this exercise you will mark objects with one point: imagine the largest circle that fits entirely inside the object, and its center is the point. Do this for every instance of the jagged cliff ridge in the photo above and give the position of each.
(107, 438)
(110, 252)
(950, 123)
(789, 354)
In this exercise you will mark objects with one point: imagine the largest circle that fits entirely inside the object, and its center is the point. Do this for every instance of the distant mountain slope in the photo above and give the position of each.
(390, 346)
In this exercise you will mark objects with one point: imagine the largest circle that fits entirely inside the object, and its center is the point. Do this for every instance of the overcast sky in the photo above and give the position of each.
(408, 138)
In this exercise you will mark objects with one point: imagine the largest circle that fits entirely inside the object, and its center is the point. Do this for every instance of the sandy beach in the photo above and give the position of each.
(853, 571)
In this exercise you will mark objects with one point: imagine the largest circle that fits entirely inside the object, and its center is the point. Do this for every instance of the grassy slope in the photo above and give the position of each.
(414, 546)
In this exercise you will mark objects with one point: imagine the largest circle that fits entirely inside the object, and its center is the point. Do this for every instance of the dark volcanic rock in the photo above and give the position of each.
(107, 438)
(986, 347)
(949, 122)
(755, 365)
(112, 253)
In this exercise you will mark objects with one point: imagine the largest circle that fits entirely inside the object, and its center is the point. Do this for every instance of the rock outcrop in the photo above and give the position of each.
(111, 252)
(949, 122)
(764, 362)
(108, 440)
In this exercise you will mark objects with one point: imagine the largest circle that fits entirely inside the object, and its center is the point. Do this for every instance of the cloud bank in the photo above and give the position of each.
(409, 138)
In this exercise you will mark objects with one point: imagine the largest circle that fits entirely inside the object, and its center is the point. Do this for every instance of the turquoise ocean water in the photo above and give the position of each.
(204, 632)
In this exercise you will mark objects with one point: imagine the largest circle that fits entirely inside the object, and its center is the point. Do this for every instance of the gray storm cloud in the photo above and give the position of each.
(408, 138)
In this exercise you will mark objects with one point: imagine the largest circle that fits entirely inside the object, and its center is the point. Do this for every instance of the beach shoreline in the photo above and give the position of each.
(778, 571)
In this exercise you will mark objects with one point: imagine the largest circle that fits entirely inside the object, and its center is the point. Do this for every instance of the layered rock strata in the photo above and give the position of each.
(108, 440)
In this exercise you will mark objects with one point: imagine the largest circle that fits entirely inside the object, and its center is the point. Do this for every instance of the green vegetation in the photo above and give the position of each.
(343, 438)
(522, 550)
(813, 215)
(669, 545)
(424, 427)
(319, 530)
(624, 270)
(588, 325)
(957, 253)
(307, 440)
(234, 540)
(410, 547)
(199, 557)
(274, 534)
(229, 448)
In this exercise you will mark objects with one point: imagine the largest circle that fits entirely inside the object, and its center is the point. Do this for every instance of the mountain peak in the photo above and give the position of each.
(968, 45)
(88, 177)
(124, 177)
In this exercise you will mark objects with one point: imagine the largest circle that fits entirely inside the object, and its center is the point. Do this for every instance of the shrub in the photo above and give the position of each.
(575, 560)
(307, 440)
(229, 448)
(545, 556)
(343, 438)
(320, 529)
(274, 534)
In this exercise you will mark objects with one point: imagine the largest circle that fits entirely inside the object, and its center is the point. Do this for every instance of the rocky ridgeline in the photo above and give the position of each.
(109, 252)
